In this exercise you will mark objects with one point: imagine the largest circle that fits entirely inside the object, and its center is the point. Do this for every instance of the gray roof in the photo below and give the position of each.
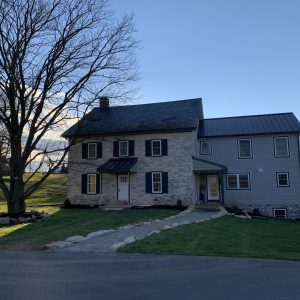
(248, 125)
(118, 165)
(179, 115)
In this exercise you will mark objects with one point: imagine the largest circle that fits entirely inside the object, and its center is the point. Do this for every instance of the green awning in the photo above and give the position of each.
(201, 165)
(119, 165)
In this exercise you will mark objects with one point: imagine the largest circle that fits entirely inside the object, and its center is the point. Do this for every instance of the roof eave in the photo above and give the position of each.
(247, 134)
(188, 129)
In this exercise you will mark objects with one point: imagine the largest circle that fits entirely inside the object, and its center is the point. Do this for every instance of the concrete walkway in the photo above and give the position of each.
(105, 241)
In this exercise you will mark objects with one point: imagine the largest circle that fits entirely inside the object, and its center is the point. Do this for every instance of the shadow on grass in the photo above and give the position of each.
(68, 222)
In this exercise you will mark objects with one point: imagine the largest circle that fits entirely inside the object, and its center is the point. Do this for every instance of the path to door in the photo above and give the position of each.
(110, 240)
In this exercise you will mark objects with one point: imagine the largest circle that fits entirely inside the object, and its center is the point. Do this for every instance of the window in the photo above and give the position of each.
(156, 147)
(205, 147)
(123, 148)
(245, 148)
(279, 213)
(281, 145)
(92, 150)
(91, 183)
(238, 181)
(156, 182)
(232, 181)
(123, 179)
(283, 179)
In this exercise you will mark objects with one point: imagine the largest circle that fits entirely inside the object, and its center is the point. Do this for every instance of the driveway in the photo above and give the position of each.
(52, 275)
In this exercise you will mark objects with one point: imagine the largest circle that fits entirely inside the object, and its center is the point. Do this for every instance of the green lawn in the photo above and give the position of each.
(227, 236)
(68, 222)
(65, 222)
(52, 191)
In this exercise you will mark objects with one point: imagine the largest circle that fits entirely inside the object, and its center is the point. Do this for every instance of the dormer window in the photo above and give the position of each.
(123, 148)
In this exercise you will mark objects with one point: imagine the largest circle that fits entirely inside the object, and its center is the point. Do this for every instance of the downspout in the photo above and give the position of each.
(128, 188)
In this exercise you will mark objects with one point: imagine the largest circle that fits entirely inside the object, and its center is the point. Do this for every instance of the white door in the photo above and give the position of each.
(213, 187)
(123, 187)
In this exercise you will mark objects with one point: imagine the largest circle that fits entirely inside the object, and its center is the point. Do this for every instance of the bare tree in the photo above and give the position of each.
(57, 57)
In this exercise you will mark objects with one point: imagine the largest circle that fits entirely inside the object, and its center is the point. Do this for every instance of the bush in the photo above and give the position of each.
(235, 210)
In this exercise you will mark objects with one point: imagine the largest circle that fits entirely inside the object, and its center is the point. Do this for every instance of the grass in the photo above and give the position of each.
(52, 191)
(68, 222)
(65, 222)
(227, 236)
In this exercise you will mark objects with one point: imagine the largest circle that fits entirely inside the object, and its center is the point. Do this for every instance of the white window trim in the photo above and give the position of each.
(275, 209)
(157, 192)
(288, 179)
(87, 183)
(287, 143)
(88, 150)
(209, 143)
(127, 143)
(238, 181)
(152, 147)
(239, 146)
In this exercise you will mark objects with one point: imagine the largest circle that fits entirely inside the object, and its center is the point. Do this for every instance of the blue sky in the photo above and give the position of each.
(242, 57)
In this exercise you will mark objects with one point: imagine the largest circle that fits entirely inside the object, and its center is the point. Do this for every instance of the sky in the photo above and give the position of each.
(241, 57)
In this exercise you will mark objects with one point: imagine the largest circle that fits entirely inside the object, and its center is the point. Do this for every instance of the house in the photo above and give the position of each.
(166, 153)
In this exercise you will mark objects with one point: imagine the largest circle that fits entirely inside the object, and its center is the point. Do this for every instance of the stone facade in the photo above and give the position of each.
(178, 164)
(292, 210)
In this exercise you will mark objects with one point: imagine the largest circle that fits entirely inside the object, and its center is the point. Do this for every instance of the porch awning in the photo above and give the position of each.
(119, 165)
(201, 165)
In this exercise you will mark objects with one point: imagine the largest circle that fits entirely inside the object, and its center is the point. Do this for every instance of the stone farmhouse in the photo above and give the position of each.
(167, 154)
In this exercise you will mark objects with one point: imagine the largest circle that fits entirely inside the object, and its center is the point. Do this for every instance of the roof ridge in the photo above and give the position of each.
(153, 103)
(247, 116)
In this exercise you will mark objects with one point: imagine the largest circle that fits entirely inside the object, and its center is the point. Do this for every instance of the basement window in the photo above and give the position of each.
(279, 213)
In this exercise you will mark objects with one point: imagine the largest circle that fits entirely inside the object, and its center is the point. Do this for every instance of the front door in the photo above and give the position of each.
(213, 187)
(123, 187)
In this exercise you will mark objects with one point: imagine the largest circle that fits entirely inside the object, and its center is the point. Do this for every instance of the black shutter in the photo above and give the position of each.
(98, 183)
(148, 147)
(131, 148)
(116, 148)
(164, 146)
(99, 150)
(83, 183)
(84, 150)
(165, 180)
(148, 182)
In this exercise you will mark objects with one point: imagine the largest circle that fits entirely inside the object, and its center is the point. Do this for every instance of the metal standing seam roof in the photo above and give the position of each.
(118, 165)
(182, 115)
(201, 165)
(249, 125)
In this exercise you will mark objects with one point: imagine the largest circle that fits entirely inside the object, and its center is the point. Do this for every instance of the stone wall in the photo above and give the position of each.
(292, 210)
(178, 164)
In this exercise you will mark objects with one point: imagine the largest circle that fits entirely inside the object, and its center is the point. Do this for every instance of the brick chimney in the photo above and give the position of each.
(104, 102)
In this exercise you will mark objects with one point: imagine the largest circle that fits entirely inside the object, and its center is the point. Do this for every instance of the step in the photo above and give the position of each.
(208, 206)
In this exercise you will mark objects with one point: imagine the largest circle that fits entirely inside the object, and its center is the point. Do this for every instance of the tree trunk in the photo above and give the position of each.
(16, 203)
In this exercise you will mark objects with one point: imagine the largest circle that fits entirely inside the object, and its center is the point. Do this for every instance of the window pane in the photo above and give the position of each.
(232, 181)
(92, 183)
(156, 181)
(156, 148)
(280, 213)
(281, 145)
(92, 150)
(244, 181)
(205, 147)
(283, 179)
(124, 148)
(245, 148)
